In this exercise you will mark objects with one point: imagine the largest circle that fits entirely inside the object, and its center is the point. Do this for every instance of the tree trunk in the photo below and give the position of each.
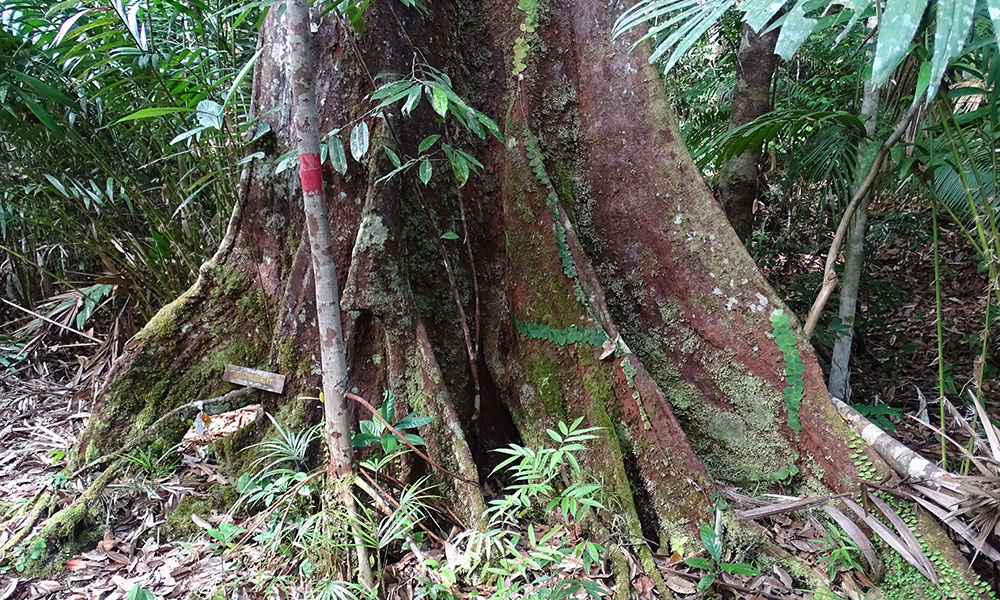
(840, 362)
(589, 223)
(337, 415)
(738, 180)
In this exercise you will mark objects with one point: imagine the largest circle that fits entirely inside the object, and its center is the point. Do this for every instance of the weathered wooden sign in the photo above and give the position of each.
(255, 378)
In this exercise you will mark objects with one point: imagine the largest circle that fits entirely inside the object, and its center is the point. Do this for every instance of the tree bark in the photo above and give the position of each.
(589, 223)
(840, 374)
(337, 416)
(738, 180)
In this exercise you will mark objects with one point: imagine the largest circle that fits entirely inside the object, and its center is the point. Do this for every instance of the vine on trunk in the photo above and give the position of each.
(785, 338)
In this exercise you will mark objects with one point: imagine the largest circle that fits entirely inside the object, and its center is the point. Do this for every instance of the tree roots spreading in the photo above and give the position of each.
(598, 274)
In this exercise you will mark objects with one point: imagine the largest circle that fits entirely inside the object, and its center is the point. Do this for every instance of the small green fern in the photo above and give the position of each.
(528, 26)
(535, 159)
(630, 373)
(785, 338)
(560, 337)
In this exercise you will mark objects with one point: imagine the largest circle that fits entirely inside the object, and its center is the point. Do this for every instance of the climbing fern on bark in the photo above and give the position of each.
(785, 338)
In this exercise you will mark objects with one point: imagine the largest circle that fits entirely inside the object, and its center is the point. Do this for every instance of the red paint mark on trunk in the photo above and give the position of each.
(310, 173)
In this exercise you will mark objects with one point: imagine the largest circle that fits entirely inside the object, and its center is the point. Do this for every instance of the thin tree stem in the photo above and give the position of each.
(940, 339)
(829, 275)
(333, 356)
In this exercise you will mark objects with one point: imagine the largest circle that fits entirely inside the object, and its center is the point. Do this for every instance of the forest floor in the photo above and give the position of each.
(180, 553)
(894, 361)
(165, 531)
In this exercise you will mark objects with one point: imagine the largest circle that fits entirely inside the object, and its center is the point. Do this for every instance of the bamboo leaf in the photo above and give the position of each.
(794, 31)
(899, 22)
(147, 113)
(954, 20)
(359, 141)
(66, 26)
(45, 90)
(240, 77)
(43, 115)
(758, 13)
(993, 7)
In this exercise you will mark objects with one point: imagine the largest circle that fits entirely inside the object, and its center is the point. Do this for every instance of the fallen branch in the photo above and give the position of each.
(43, 504)
(908, 463)
(779, 508)
(829, 275)
(957, 526)
(895, 454)
(721, 583)
(52, 322)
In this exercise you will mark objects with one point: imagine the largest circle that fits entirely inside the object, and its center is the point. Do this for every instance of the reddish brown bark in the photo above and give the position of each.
(655, 262)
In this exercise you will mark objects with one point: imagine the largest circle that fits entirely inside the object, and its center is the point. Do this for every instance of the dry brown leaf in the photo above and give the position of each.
(679, 584)
(782, 507)
(919, 561)
(76, 564)
(200, 522)
(644, 586)
(118, 557)
(857, 536)
(38, 589)
(783, 576)
(9, 590)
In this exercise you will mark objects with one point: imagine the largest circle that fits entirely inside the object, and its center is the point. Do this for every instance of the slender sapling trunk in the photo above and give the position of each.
(333, 357)
(840, 374)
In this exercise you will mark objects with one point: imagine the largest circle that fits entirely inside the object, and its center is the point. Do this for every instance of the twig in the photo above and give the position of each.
(438, 505)
(732, 586)
(472, 345)
(829, 275)
(48, 320)
(402, 438)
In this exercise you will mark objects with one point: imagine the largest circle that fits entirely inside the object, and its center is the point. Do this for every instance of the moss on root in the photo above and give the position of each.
(741, 442)
(73, 529)
(179, 358)
(425, 395)
(178, 523)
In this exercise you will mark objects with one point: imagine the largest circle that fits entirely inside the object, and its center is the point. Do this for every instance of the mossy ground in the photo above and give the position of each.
(178, 524)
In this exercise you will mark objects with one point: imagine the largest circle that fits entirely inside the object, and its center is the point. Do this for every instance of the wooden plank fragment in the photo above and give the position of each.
(255, 378)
